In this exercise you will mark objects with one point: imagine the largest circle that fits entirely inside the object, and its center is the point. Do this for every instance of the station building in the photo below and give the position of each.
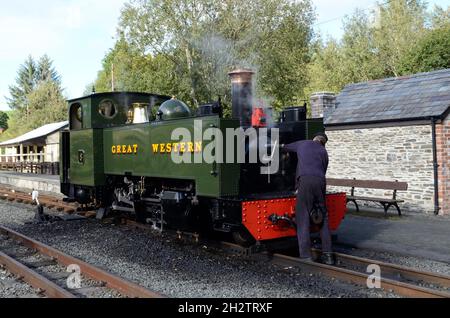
(393, 129)
(34, 152)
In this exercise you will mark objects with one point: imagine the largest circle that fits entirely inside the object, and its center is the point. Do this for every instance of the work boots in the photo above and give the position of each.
(328, 259)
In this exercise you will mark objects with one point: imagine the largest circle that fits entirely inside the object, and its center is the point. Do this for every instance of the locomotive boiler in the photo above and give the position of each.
(118, 155)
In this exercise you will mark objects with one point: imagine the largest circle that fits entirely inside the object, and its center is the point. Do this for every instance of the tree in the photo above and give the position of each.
(36, 99)
(401, 25)
(429, 54)
(46, 105)
(327, 68)
(440, 17)
(360, 51)
(4, 120)
(30, 75)
(15, 126)
(168, 27)
(351, 60)
(284, 52)
(25, 83)
(134, 71)
(370, 50)
(202, 40)
(46, 72)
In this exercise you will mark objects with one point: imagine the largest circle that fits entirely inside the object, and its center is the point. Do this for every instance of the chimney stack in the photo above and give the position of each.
(242, 95)
(322, 104)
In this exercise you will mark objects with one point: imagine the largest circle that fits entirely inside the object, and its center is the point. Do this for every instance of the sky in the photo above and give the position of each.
(77, 34)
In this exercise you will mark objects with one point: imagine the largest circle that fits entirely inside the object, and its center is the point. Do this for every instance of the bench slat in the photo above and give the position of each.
(374, 199)
(368, 184)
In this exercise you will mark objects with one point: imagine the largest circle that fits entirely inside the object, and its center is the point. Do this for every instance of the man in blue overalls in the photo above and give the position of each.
(311, 179)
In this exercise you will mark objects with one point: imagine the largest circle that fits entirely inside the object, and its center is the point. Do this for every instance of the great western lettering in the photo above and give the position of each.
(177, 147)
(124, 149)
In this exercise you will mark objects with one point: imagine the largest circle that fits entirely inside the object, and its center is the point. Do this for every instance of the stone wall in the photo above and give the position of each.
(402, 153)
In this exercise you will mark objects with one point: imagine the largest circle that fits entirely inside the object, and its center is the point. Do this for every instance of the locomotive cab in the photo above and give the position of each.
(104, 110)
(82, 153)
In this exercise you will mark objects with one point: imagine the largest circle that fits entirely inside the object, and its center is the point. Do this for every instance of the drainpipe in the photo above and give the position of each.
(435, 167)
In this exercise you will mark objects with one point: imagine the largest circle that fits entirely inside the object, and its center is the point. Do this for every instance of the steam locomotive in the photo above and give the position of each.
(118, 156)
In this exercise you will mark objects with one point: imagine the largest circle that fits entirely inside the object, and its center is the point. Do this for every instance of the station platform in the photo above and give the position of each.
(44, 183)
(425, 236)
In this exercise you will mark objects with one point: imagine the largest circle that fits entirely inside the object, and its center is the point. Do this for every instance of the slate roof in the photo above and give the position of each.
(419, 96)
(37, 133)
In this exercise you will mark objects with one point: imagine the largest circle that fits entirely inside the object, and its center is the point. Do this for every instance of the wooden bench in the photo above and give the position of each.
(372, 184)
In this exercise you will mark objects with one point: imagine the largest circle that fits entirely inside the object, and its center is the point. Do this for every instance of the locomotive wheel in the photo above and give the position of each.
(243, 238)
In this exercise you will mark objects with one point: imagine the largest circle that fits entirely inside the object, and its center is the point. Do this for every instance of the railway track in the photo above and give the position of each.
(45, 200)
(401, 280)
(397, 279)
(47, 270)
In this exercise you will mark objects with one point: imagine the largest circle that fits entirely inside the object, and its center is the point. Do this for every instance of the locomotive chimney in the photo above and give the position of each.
(242, 97)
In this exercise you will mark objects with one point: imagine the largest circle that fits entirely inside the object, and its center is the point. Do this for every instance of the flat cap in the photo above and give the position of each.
(321, 134)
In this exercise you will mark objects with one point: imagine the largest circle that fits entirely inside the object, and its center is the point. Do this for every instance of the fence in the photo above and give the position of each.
(29, 163)
(28, 157)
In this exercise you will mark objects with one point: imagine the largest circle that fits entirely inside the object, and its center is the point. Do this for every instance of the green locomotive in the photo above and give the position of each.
(117, 155)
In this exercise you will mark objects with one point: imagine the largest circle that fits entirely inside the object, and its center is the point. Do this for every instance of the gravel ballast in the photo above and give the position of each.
(161, 263)
(11, 287)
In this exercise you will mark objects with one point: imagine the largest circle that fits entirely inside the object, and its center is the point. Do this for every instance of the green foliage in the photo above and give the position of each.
(15, 129)
(134, 71)
(29, 76)
(46, 72)
(396, 43)
(186, 48)
(4, 120)
(326, 68)
(401, 25)
(46, 105)
(440, 17)
(431, 53)
(36, 99)
(25, 83)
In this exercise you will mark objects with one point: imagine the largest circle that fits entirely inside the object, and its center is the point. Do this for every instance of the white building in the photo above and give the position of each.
(38, 146)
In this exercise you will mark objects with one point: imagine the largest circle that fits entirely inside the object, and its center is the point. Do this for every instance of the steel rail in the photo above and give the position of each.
(399, 271)
(125, 287)
(396, 271)
(45, 200)
(401, 288)
(33, 278)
